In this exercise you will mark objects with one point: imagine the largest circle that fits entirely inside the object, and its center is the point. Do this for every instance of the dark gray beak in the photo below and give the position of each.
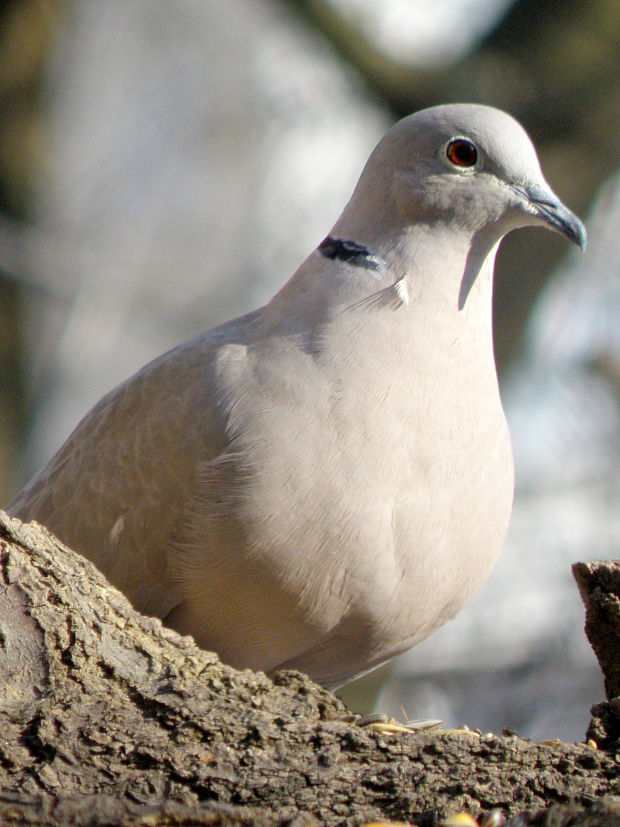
(544, 204)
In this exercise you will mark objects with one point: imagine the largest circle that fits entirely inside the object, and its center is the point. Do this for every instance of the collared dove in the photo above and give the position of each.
(321, 483)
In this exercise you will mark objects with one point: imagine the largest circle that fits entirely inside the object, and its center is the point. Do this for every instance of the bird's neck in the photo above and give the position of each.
(443, 266)
(446, 276)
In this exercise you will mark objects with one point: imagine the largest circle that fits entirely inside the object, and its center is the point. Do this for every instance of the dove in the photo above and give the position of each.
(321, 483)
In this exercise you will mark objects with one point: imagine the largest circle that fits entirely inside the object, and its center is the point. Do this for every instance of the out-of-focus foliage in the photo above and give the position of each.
(25, 29)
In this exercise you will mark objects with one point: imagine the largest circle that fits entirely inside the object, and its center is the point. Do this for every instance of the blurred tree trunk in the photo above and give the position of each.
(24, 38)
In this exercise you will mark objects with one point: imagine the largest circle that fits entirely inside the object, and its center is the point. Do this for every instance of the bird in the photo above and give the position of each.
(321, 483)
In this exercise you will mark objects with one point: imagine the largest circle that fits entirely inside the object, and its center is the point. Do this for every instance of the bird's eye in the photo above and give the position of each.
(462, 153)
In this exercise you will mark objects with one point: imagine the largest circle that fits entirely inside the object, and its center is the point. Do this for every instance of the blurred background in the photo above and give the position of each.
(164, 166)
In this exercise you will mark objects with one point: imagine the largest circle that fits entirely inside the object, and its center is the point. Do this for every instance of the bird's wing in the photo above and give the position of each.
(116, 489)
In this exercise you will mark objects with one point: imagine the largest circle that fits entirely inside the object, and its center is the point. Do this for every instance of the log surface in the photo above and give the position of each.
(106, 717)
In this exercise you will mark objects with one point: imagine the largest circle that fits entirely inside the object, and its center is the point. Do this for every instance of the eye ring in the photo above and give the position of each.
(461, 153)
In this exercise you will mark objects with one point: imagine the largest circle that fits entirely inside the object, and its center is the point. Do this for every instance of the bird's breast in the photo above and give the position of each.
(388, 496)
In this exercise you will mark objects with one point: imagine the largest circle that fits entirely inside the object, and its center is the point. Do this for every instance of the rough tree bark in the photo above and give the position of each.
(106, 717)
(599, 585)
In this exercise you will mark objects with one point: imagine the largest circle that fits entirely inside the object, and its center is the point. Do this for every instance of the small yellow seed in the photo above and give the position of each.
(387, 727)
(459, 819)
(591, 743)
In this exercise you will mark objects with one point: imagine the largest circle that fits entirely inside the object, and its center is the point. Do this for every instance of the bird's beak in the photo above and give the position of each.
(542, 203)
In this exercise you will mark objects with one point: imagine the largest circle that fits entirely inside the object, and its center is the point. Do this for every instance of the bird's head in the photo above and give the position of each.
(468, 166)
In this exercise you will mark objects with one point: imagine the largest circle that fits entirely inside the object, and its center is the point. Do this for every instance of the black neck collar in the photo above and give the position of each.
(350, 251)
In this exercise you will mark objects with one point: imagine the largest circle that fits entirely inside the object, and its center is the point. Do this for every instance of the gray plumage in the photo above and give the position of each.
(323, 482)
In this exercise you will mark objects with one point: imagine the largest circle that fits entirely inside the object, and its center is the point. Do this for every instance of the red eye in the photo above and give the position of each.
(462, 153)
